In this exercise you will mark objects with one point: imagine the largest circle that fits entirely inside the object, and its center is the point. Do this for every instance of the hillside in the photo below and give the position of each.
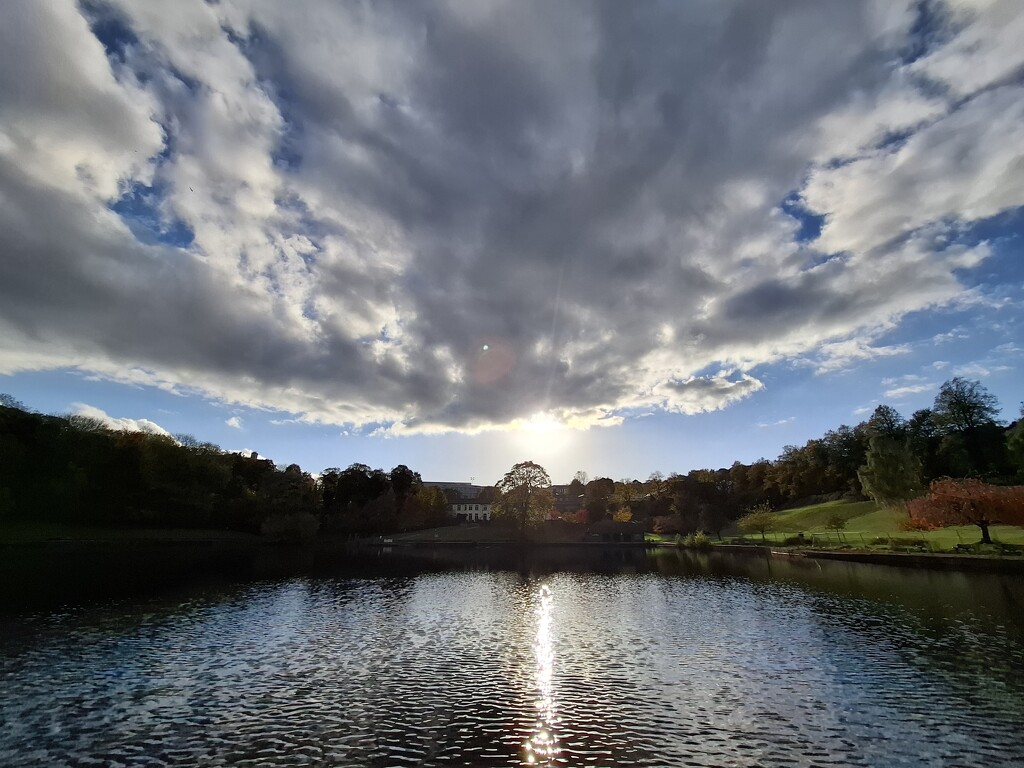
(865, 520)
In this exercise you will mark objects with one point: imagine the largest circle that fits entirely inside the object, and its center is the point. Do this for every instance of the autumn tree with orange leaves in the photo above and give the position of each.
(969, 502)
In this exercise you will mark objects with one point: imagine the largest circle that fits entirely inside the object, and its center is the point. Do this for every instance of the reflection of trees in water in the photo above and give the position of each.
(928, 593)
(962, 631)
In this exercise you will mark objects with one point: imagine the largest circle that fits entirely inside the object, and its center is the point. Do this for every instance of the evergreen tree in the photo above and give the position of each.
(892, 474)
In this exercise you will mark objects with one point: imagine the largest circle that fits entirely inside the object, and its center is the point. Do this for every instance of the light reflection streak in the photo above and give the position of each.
(542, 746)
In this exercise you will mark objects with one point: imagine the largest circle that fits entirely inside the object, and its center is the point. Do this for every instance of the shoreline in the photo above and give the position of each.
(934, 560)
(213, 541)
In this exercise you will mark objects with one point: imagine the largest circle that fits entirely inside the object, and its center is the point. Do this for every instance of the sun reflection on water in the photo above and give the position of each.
(542, 746)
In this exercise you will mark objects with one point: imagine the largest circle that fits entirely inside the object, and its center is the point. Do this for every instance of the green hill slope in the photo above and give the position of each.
(865, 521)
(815, 516)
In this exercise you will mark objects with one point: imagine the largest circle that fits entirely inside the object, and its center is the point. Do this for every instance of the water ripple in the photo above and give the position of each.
(478, 668)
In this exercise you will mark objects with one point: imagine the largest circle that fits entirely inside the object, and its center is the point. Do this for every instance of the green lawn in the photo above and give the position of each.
(815, 516)
(866, 521)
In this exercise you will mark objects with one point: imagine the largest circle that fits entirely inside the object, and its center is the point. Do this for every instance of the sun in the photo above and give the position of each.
(542, 423)
(542, 434)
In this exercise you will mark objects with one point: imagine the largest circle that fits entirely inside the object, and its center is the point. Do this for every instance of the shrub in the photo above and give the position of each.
(698, 540)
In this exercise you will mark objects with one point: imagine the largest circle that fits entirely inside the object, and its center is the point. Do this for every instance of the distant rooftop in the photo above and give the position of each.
(467, 490)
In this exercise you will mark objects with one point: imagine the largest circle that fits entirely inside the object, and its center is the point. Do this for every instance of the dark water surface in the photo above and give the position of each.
(622, 659)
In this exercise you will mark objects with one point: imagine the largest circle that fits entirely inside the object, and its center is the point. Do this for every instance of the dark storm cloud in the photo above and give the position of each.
(436, 216)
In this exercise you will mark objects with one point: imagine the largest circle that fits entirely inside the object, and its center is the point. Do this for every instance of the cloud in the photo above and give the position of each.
(980, 369)
(424, 218)
(120, 424)
(700, 394)
(900, 387)
(840, 355)
(956, 334)
(779, 423)
(234, 422)
(908, 378)
(973, 369)
(905, 390)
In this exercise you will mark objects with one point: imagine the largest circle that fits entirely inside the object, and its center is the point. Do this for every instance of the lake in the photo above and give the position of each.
(606, 658)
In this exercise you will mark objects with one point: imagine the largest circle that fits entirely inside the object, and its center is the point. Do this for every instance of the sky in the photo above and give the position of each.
(611, 237)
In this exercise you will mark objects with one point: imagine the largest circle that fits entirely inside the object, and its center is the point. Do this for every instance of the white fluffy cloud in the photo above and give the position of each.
(428, 217)
(118, 423)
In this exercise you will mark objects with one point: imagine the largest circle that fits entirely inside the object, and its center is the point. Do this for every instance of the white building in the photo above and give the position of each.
(471, 511)
(464, 500)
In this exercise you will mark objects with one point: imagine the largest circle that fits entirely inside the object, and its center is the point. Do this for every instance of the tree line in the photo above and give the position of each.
(73, 469)
(887, 458)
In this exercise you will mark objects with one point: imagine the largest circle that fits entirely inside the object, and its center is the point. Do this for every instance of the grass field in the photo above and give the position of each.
(866, 521)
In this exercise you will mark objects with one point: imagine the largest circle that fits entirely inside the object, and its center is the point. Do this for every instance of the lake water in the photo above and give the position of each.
(616, 659)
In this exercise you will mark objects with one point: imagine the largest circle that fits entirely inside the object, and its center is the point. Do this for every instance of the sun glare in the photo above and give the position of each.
(543, 434)
(542, 422)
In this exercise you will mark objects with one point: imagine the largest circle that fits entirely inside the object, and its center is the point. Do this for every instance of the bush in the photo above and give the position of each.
(698, 540)
(795, 541)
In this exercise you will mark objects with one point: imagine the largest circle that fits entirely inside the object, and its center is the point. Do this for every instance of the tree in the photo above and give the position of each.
(524, 496)
(924, 439)
(758, 519)
(626, 492)
(596, 496)
(10, 401)
(836, 522)
(1015, 444)
(404, 482)
(427, 507)
(963, 406)
(580, 477)
(886, 422)
(969, 502)
(972, 441)
(712, 519)
(892, 474)
(845, 448)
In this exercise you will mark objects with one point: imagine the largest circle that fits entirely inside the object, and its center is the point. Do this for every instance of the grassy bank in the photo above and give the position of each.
(866, 522)
(868, 525)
